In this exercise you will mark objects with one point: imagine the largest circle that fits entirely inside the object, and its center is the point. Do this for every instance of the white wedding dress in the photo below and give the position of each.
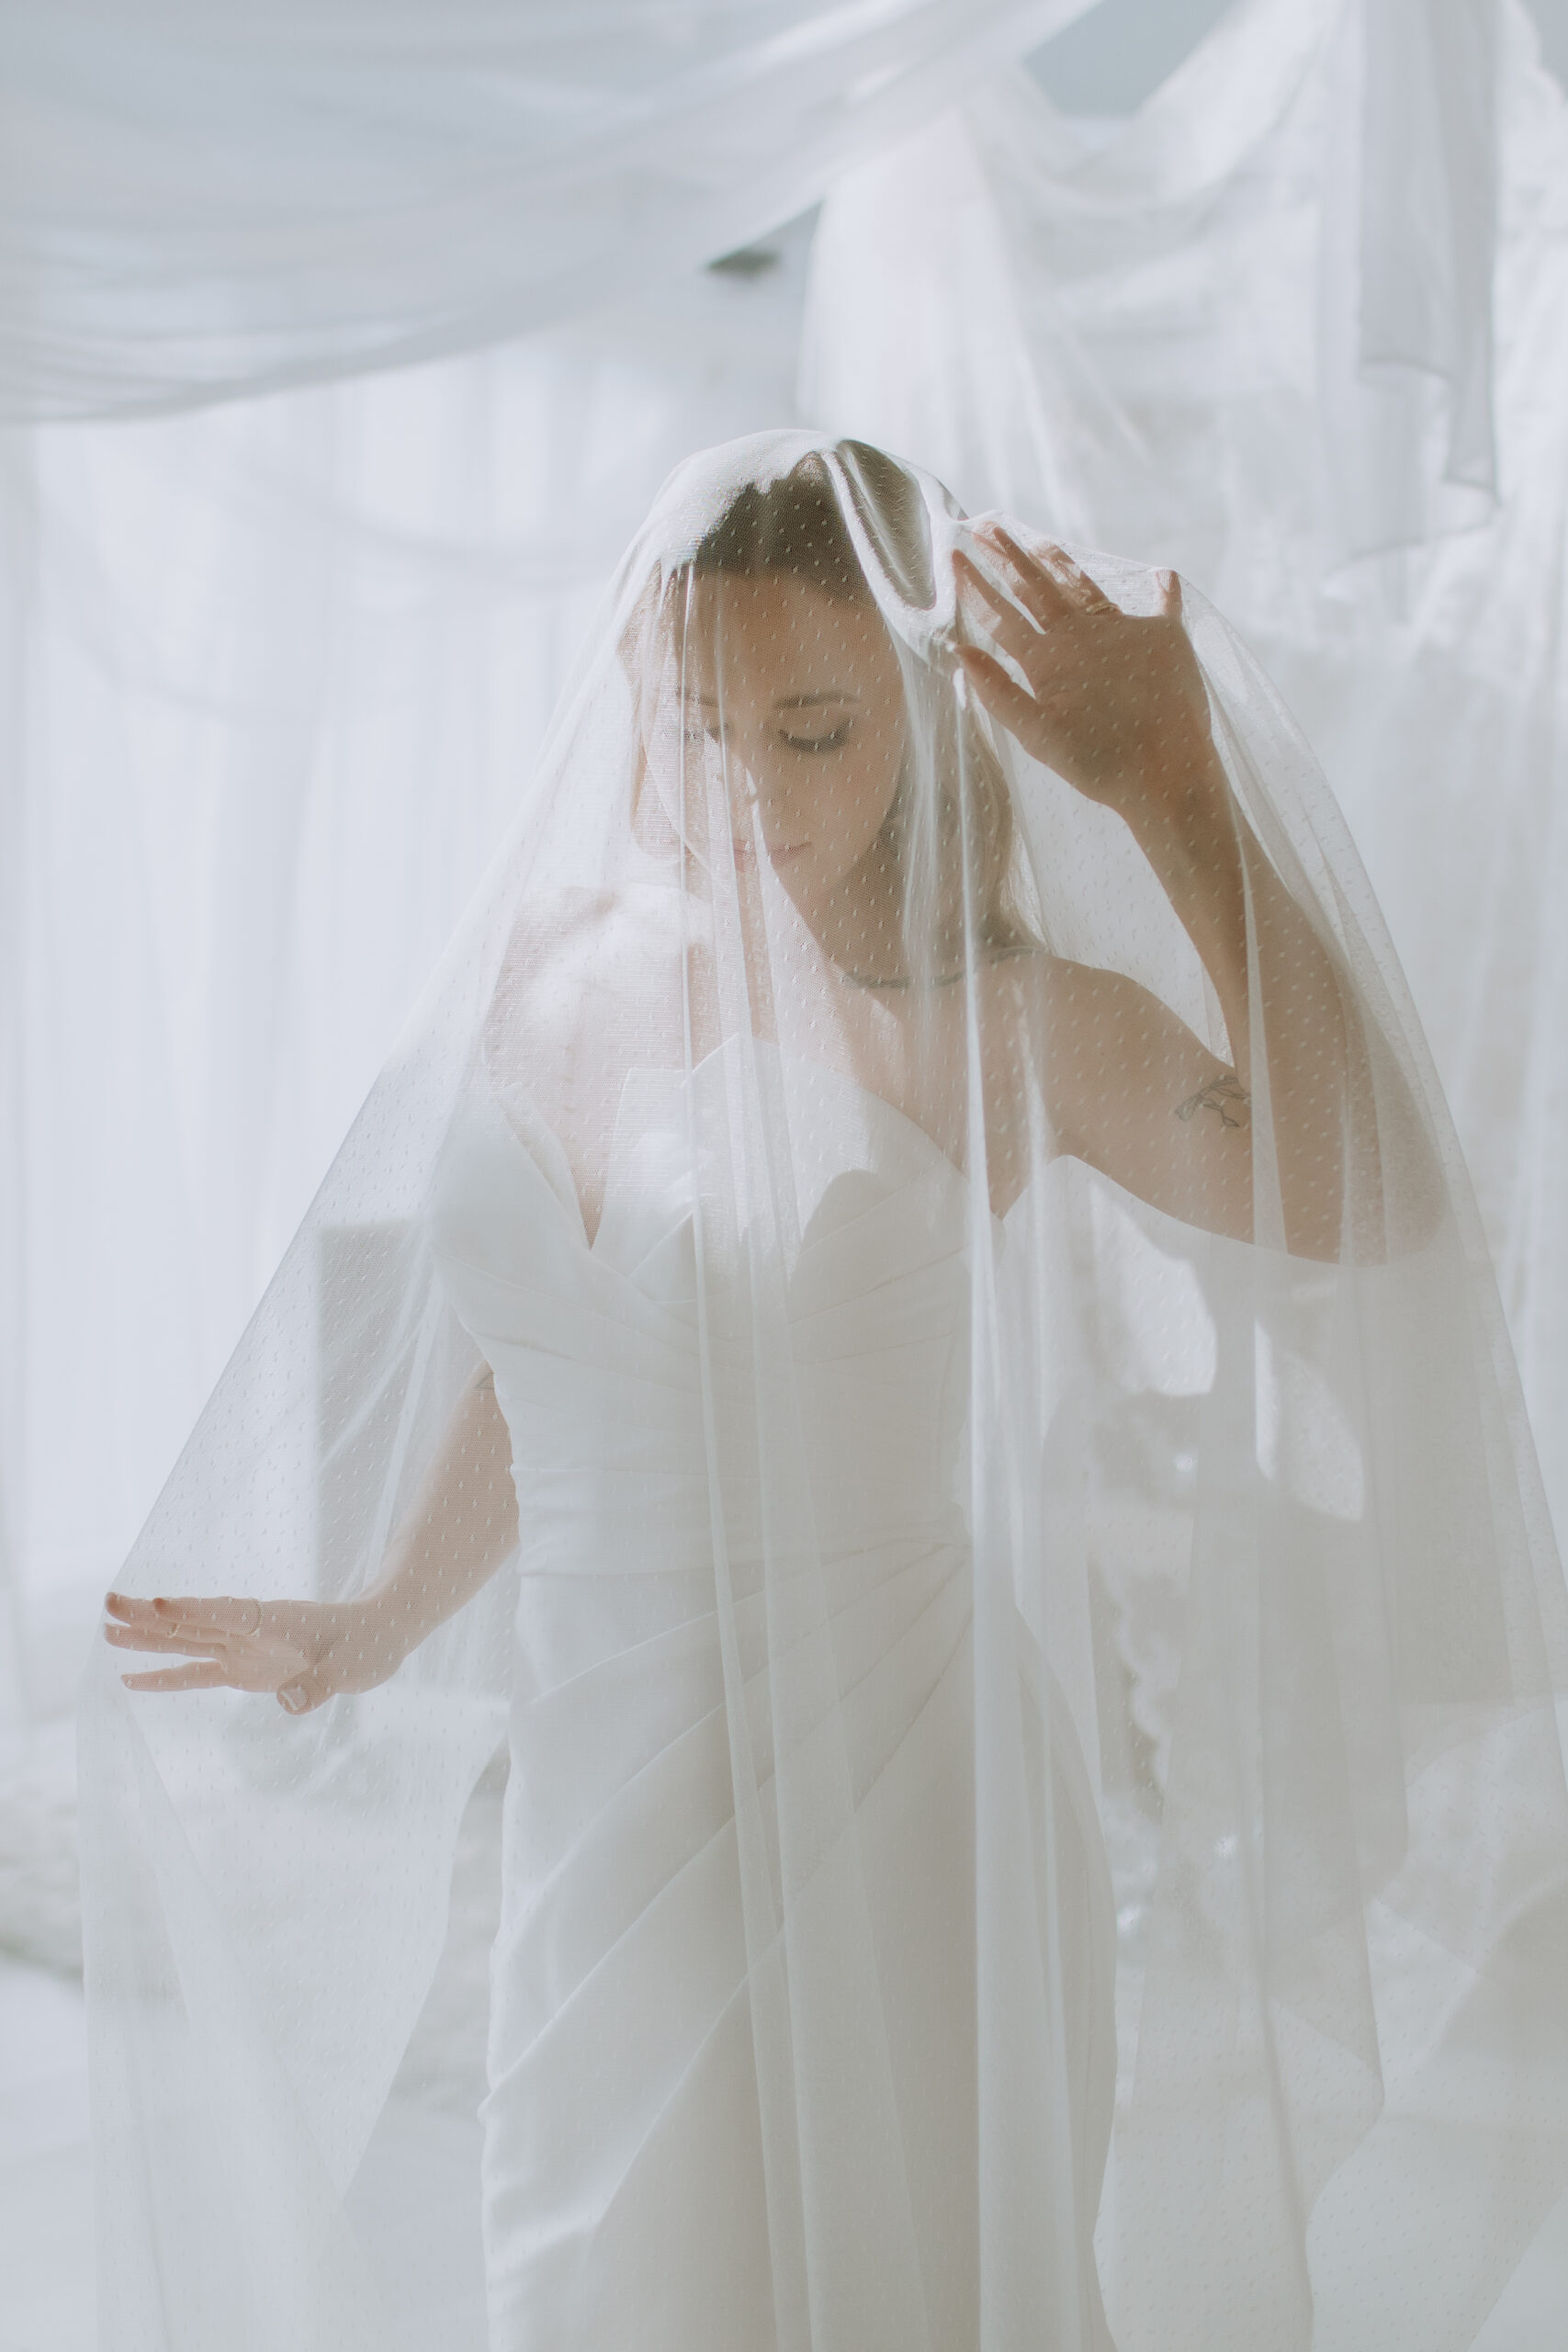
(625, 2199)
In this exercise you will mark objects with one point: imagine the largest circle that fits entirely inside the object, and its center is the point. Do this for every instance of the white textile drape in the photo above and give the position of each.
(1239, 340)
(200, 200)
(1310, 197)
(283, 669)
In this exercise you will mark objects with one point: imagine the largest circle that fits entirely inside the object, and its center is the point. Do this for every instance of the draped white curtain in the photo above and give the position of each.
(284, 665)
(273, 671)
(1299, 328)
(211, 196)
(1307, 203)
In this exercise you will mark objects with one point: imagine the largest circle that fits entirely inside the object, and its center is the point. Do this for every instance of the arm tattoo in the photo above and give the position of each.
(1225, 1095)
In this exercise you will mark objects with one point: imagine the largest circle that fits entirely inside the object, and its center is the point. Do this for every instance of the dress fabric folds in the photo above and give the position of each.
(1028, 1657)
(624, 2194)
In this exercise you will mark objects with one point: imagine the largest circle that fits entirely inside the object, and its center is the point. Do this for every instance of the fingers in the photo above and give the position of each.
(225, 1643)
(1171, 596)
(218, 1613)
(123, 1606)
(1048, 583)
(195, 1677)
(153, 1638)
(1086, 594)
(208, 1615)
(1000, 694)
(1041, 593)
(1033, 577)
(1017, 634)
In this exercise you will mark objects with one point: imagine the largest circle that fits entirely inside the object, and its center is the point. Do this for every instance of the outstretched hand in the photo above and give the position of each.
(1113, 701)
(303, 1651)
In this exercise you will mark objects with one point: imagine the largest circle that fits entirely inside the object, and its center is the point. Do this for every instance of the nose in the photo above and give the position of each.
(778, 820)
(752, 785)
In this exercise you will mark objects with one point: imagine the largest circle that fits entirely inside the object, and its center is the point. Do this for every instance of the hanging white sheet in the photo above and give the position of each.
(1250, 337)
(283, 669)
(202, 200)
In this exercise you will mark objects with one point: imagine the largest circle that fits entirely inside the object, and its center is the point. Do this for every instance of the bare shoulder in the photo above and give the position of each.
(1046, 1004)
(1106, 1048)
(1071, 999)
(591, 987)
(1054, 989)
(581, 932)
(586, 964)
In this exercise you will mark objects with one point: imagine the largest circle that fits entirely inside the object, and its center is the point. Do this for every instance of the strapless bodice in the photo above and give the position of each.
(619, 1395)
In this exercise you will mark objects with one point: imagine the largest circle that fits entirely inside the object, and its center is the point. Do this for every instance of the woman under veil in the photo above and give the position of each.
(904, 1327)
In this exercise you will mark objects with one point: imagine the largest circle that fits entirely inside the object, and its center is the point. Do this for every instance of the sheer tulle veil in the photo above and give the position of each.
(1141, 1837)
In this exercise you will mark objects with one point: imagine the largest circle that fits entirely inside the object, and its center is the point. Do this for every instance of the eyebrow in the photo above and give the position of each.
(796, 702)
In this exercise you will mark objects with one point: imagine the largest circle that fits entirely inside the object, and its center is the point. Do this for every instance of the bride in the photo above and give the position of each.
(917, 1171)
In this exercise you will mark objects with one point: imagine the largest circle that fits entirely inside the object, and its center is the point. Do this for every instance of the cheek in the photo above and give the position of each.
(872, 780)
(841, 797)
(843, 802)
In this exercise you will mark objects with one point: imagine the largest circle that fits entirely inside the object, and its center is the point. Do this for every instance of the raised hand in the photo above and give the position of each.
(304, 1651)
(1114, 701)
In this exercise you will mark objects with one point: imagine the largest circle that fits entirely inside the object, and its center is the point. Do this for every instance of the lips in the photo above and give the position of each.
(778, 854)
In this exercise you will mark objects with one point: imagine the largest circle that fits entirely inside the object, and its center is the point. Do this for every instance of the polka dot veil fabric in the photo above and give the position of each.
(902, 1347)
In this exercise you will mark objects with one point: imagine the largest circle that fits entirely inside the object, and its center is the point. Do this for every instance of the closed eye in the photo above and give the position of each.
(833, 742)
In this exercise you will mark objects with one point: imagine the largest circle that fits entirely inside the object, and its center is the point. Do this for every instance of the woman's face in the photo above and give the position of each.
(804, 695)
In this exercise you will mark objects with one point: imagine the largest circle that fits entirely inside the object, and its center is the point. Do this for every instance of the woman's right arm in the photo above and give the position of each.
(462, 1525)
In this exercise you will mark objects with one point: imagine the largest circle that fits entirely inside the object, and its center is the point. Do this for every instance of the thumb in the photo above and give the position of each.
(300, 1696)
(1171, 595)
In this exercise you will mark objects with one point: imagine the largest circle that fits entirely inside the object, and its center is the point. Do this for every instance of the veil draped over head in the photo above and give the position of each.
(1029, 1663)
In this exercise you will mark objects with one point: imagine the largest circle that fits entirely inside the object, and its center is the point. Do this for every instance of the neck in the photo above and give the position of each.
(860, 925)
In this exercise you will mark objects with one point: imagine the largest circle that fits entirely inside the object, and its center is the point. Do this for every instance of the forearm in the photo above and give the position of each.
(1225, 895)
(462, 1525)
(1268, 965)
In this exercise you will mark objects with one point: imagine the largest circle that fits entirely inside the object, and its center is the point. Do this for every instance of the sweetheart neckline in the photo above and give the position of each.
(909, 1127)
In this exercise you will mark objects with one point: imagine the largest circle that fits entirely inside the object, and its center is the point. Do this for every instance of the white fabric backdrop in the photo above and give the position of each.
(209, 197)
(1168, 343)
(1309, 198)
(286, 664)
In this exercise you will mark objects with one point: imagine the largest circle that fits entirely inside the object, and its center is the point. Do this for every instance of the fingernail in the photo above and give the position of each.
(294, 1699)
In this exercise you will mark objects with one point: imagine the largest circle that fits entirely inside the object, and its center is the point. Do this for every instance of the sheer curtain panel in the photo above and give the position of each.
(1290, 328)
(200, 200)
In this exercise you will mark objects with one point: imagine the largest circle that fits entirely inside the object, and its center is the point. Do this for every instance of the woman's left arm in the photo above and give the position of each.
(1115, 703)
